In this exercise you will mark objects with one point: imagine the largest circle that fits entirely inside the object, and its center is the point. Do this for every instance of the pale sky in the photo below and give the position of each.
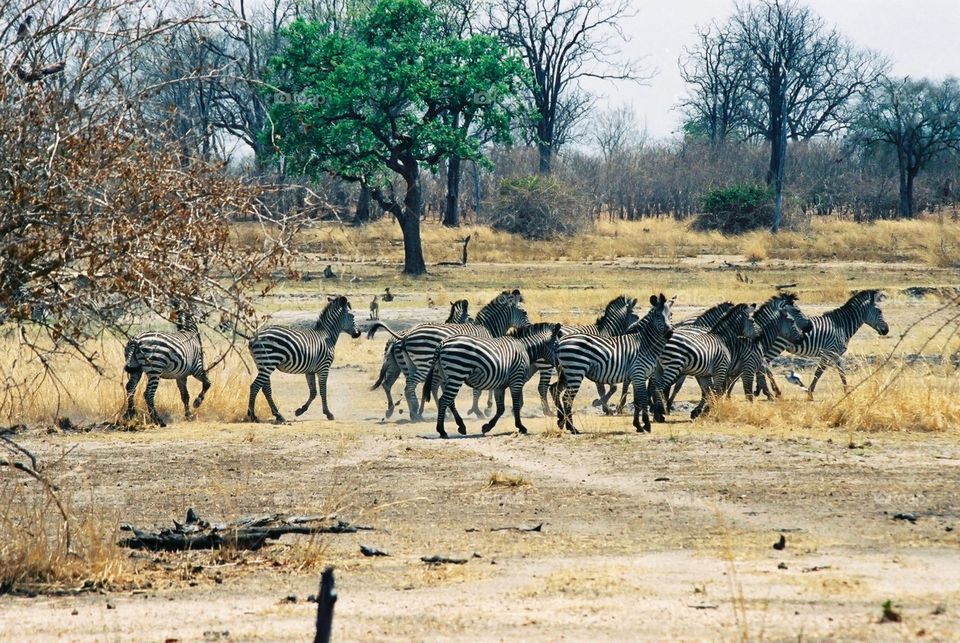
(920, 37)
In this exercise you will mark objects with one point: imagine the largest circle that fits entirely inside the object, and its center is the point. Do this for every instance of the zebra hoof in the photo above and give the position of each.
(300, 411)
(388, 413)
(443, 434)
(486, 428)
(280, 419)
(329, 415)
(596, 402)
(462, 430)
(252, 418)
(522, 430)
(197, 402)
(694, 414)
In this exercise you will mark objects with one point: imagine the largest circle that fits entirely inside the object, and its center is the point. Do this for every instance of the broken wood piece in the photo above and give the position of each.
(538, 527)
(443, 560)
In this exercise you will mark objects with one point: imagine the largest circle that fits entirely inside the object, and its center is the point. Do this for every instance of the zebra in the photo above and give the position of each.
(778, 318)
(706, 355)
(628, 357)
(704, 320)
(830, 335)
(489, 363)
(616, 318)
(166, 356)
(419, 345)
(391, 367)
(295, 350)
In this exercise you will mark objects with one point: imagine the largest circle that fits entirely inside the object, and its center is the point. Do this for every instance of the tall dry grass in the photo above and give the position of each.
(34, 392)
(928, 240)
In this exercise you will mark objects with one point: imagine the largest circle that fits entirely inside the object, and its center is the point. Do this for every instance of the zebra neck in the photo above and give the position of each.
(777, 346)
(330, 330)
(848, 320)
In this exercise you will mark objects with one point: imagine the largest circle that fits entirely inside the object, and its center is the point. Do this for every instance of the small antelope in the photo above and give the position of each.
(375, 308)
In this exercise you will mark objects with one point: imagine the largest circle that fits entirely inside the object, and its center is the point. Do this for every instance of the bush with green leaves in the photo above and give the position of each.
(538, 207)
(736, 208)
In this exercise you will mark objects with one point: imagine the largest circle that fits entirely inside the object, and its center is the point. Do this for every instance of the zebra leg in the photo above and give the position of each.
(153, 381)
(747, 379)
(565, 405)
(450, 390)
(312, 388)
(516, 396)
(542, 385)
(825, 361)
(605, 395)
(475, 409)
(184, 396)
(640, 405)
(843, 375)
(322, 376)
(623, 398)
(676, 391)
(461, 427)
(706, 389)
(262, 382)
(131, 389)
(390, 375)
(410, 392)
(205, 381)
(499, 396)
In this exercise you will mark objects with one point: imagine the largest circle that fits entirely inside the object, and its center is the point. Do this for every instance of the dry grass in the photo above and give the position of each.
(930, 241)
(895, 400)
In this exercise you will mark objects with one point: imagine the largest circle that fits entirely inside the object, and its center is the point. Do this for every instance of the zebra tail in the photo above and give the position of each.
(133, 359)
(427, 385)
(381, 377)
(377, 326)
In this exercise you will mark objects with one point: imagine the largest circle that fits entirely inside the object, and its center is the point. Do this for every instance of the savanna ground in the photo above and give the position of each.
(660, 536)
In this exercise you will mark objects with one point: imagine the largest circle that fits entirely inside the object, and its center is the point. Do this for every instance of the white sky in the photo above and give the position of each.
(920, 37)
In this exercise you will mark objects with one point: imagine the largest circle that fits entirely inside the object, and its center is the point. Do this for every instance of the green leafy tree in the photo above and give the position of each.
(373, 103)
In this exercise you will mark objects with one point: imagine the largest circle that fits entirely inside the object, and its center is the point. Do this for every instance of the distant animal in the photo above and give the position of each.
(295, 350)
(328, 273)
(166, 356)
(430, 303)
(375, 308)
(387, 295)
(780, 544)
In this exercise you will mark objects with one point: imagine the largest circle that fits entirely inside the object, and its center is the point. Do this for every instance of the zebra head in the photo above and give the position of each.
(788, 326)
(185, 319)
(750, 329)
(338, 317)
(505, 311)
(660, 315)
(618, 316)
(790, 304)
(874, 316)
(459, 312)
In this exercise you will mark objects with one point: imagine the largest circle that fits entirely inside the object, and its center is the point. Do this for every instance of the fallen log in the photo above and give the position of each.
(246, 533)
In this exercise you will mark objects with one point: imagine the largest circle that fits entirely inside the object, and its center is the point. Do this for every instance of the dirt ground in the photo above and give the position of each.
(666, 536)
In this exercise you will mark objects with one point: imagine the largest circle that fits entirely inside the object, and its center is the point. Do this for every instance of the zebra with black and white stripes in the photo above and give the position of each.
(489, 363)
(708, 356)
(391, 368)
(617, 317)
(419, 345)
(830, 335)
(705, 320)
(610, 360)
(300, 350)
(166, 356)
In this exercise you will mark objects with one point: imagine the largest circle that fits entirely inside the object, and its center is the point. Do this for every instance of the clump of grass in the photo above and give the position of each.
(756, 246)
(500, 479)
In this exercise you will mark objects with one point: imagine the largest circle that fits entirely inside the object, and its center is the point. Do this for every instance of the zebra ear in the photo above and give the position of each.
(663, 299)
(329, 298)
(653, 300)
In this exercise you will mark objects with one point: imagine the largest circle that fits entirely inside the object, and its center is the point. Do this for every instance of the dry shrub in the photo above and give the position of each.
(538, 207)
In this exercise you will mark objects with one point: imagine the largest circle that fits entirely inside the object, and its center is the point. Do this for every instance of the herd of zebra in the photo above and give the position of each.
(501, 349)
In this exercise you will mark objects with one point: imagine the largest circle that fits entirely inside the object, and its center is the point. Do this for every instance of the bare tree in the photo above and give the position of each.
(562, 43)
(716, 72)
(100, 215)
(616, 131)
(918, 119)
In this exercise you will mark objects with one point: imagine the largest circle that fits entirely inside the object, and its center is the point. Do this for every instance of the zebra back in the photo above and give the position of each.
(708, 318)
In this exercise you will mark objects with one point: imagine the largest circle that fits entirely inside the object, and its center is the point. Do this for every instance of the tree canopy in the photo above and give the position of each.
(372, 103)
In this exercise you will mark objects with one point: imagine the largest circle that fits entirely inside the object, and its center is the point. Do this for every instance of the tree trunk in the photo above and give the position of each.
(413, 263)
(476, 190)
(545, 149)
(451, 213)
(362, 214)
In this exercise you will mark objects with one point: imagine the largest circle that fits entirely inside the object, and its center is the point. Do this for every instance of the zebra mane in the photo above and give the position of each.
(334, 308)
(533, 329)
(622, 302)
(730, 321)
(644, 322)
(500, 301)
(186, 322)
(770, 309)
(859, 301)
(711, 315)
